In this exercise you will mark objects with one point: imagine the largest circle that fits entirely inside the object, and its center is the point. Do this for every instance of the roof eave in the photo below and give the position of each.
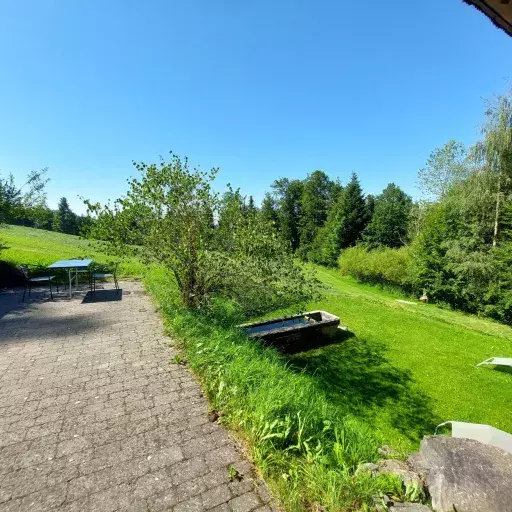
(492, 14)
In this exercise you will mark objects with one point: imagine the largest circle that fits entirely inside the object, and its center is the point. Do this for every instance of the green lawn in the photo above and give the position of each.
(404, 369)
(407, 367)
(31, 246)
(401, 370)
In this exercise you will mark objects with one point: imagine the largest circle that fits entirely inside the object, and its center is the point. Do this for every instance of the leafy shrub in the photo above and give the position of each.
(212, 246)
(382, 266)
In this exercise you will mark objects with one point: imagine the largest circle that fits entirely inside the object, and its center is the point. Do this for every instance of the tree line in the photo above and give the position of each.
(462, 253)
(26, 205)
(319, 217)
(453, 245)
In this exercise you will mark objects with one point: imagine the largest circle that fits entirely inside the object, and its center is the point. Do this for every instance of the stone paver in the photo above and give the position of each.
(94, 418)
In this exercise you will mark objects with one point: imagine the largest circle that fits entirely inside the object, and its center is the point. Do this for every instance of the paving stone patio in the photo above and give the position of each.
(94, 418)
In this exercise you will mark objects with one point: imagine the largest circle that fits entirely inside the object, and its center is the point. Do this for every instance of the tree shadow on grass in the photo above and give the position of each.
(503, 369)
(313, 341)
(357, 375)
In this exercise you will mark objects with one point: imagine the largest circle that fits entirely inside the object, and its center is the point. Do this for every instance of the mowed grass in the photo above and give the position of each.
(310, 418)
(38, 247)
(401, 370)
(407, 367)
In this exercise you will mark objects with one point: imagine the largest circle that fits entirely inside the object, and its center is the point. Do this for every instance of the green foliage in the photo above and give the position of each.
(251, 207)
(314, 203)
(299, 209)
(445, 167)
(26, 206)
(352, 213)
(496, 152)
(65, 219)
(383, 266)
(233, 474)
(288, 194)
(453, 258)
(212, 246)
(268, 210)
(16, 202)
(303, 443)
(370, 205)
(326, 247)
(408, 365)
(460, 253)
(389, 224)
(178, 359)
(390, 383)
(252, 265)
(417, 214)
(167, 217)
(346, 221)
(496, 147)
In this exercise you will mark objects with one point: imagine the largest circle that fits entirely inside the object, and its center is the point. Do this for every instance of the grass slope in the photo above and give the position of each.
(311, 418)
(409, 367)
(305, 444)
(39, 247)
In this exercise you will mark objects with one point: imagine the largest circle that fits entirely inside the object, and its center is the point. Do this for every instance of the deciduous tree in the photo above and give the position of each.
(168, 214)
(15, 200)
(445, 166)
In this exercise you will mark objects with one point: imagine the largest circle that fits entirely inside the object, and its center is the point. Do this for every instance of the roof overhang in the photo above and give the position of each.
(498, 11)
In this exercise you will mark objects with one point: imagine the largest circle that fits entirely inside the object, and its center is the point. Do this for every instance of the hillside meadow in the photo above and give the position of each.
(38, 247)
(309, 419)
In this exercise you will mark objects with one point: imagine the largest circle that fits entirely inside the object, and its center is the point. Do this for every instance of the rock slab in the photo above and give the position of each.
(464, 474)
(408, 507)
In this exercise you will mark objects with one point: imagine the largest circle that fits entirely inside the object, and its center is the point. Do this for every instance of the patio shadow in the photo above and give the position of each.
(103, 296)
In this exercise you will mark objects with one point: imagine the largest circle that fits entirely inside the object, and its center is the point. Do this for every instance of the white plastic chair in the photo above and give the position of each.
(498, 361)
(483, 433)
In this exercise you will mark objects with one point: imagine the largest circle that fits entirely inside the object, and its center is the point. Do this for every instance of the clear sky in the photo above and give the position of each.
(260, 89)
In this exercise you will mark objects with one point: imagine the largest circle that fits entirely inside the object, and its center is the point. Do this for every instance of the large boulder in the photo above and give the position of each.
(464, 475)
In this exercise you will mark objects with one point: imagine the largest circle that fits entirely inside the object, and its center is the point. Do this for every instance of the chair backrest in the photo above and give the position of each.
(25, 271)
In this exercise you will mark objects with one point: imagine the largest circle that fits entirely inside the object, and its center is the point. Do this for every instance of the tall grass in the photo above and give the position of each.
(307, 448)
(385, 266)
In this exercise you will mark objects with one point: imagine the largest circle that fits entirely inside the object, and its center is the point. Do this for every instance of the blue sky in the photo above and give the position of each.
(260, 89)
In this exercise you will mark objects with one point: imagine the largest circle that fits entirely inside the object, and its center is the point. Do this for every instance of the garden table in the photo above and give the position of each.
(71, 265)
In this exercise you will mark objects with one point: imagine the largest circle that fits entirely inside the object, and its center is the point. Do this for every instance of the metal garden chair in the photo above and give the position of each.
(29, 281)
(106, 275)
